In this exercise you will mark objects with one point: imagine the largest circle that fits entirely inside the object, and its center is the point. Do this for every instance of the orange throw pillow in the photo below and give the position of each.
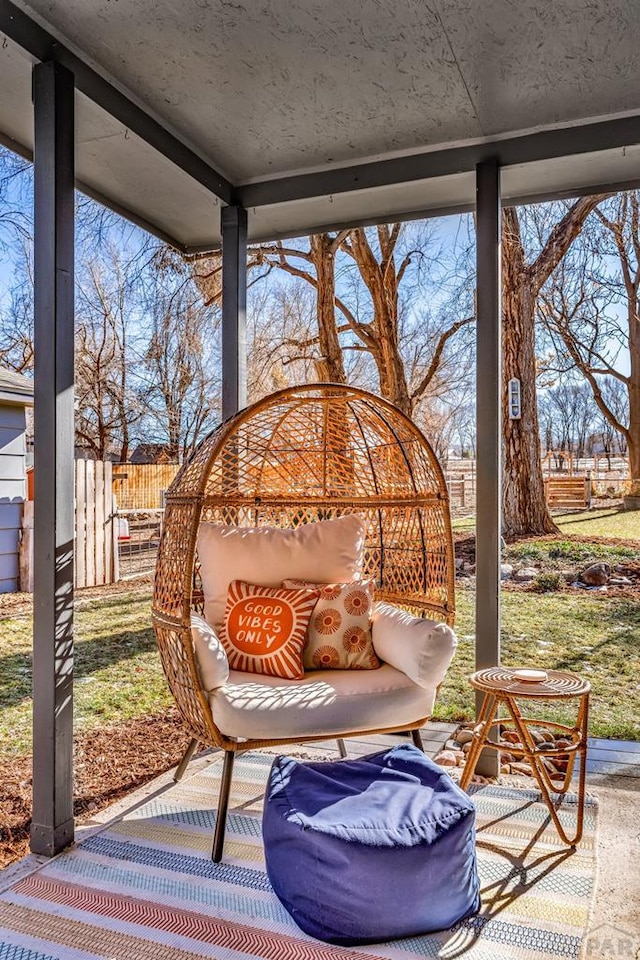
(265, 628)
(339, 635)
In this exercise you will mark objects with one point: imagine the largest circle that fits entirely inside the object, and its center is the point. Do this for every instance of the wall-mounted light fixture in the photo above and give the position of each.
(515, 400)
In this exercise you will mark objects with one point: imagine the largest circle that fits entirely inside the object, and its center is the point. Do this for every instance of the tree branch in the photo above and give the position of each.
(422, 385)
(561, 238)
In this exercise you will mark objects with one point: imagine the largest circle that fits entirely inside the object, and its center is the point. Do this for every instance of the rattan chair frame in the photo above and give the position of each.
(299, 455)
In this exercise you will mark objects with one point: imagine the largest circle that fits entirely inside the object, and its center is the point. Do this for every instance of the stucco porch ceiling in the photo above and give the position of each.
(317, 113)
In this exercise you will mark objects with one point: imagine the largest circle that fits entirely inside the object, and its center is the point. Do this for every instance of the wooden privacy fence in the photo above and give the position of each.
(462, 490)
(96, 525)
(96, 529)
(568, 491)
(141, 486)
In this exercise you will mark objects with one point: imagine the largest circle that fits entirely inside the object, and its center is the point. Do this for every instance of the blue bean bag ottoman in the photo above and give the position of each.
(362, 851)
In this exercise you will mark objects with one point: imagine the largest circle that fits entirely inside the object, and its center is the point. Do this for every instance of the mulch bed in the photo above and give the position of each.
(465, 550)
(109, 763)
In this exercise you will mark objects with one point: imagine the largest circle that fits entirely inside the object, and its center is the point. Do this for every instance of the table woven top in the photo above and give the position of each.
(559, 683)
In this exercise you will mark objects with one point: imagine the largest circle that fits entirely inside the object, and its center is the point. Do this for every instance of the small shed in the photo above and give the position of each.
(16, 394)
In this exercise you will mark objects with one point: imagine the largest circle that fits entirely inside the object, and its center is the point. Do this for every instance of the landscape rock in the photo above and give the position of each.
(522, 768)
(446, 759)
(596, 575)
(550, 767)
(537, 736)
(506, 570)
(464, 736)
(505, 768)
(510, 736)
(620, 582)
(459, 563)
(525, 574)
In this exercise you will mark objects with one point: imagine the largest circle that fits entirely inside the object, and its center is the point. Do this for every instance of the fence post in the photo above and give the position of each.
(26, 548)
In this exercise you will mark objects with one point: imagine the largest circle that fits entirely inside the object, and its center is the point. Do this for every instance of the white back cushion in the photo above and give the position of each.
(328, 551)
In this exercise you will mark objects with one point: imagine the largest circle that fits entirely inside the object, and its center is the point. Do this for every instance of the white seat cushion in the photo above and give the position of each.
(325, 702)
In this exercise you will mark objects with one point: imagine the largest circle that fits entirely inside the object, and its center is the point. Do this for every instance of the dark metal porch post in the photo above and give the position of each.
(234, 309)
(488, 426)
(52, 826)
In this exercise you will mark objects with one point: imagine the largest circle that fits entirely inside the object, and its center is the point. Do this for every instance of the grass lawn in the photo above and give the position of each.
(595, 636)
(118, 674)
(117, 671)
(611, 522)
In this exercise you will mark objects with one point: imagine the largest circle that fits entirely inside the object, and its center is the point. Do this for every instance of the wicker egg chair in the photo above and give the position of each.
(300, 455)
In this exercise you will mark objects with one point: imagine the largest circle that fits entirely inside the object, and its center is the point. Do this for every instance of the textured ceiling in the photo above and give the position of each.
(267, 86)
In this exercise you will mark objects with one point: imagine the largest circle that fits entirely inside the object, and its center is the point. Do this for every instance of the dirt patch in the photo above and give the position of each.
(464, 546)
(109, 763)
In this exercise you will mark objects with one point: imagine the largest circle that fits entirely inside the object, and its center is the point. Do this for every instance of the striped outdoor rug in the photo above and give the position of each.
(145, 888)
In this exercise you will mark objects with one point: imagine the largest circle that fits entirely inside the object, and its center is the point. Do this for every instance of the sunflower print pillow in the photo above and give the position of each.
(339, 631)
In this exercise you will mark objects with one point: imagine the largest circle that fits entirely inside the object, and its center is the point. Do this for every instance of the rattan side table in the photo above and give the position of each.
(502, 688)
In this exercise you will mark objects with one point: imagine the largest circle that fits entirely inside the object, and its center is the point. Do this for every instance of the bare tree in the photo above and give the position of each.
(182, 386)
(524, 507)
(375, 326)
(316, 266)
(567, 417)
(15, 198)
(593, 311)
(107, 401)
(16, 318)
(281, 336)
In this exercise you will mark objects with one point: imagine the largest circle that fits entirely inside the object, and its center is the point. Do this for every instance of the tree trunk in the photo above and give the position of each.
(525, 510)
(124, 446)
(329, 365)
(393, 380)
(381, 279)
(175, 429)
(633, 389)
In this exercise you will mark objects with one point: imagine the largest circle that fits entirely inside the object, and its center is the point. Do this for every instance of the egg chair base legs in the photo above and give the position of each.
(223, 804)
(342, 750)
(184, 763)
(417, 739)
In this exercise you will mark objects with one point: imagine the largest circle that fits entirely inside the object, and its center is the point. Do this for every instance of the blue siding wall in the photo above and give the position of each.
(13, 491)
